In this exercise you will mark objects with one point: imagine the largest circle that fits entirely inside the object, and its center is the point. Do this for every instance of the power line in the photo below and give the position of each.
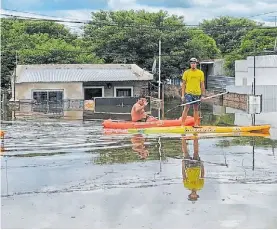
(41, 19)
(42, 15)
(99, 53)
(261, 14)
(129, 25)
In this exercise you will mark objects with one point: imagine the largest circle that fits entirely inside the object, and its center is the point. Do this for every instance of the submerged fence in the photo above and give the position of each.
(88, 108)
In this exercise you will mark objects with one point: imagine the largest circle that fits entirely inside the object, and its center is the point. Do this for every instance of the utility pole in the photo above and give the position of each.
(14, 77)
(160, 48)
(159, 91)
(254, 88)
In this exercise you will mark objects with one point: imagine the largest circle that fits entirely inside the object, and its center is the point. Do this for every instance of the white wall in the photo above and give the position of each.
(23, 91)
(265, 70)
(218, 69)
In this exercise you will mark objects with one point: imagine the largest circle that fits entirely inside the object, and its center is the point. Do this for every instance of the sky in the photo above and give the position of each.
(193, 11)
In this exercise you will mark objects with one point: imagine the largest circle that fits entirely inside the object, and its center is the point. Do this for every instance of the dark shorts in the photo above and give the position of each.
(191, 98)
(143, 119)
(190, 162)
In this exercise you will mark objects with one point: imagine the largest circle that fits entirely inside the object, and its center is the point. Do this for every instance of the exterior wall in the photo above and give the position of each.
(241, 71)
(265, 70)
(24, 91)
(72, 91)
(218, 68)
(137, 87)
(73, 115)
(75, 90)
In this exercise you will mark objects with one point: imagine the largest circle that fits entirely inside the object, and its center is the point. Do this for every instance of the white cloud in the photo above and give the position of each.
(204, 9)
(199, 10)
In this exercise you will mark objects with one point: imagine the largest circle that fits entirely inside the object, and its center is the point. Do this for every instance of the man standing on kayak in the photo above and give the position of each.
(192, 90)
(138, 113)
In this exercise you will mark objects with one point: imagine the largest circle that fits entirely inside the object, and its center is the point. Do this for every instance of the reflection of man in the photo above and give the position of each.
(192, 169)
(138, 146)
(138, 113)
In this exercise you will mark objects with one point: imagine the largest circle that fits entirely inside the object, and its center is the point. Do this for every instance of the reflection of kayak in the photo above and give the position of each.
(2, 133)
(202, 129)
(233, 134)
(110, 124)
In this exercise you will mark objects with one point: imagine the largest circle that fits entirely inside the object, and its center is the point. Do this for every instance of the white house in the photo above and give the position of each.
(265, 71)
(265, 76)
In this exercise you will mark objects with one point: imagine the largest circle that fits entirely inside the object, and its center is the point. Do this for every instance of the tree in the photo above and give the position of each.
(228, 31)
(133, 36)
(40, 42)
(254, 42)
(56, 51)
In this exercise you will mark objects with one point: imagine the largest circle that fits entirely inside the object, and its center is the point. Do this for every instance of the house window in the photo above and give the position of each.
(91, 92)
(48, 101)
(123, 91)
(53, 96)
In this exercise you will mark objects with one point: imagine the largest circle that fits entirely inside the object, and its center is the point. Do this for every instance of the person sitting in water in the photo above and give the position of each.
(138, 113)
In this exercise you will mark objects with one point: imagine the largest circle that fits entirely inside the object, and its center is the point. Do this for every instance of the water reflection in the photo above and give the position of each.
(192, 168)
(138, 145)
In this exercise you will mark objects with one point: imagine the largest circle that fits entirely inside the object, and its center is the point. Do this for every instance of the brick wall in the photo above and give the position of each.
(235, 97)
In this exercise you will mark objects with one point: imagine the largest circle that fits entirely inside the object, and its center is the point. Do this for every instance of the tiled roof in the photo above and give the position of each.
(81, 73)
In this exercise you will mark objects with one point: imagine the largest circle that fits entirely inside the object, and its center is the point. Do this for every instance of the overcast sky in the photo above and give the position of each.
(194, 11)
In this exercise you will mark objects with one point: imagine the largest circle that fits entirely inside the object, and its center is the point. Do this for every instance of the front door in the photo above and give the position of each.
(91, 93)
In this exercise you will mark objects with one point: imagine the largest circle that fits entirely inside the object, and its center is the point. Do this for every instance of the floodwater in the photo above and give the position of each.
(69, 174)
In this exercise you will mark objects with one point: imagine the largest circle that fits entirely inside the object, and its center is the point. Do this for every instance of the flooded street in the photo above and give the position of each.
(69, 174)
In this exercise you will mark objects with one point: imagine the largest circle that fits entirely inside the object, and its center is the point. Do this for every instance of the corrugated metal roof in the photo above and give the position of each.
(81, 73)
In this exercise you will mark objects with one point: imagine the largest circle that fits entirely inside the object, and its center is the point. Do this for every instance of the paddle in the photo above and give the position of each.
(216, 95)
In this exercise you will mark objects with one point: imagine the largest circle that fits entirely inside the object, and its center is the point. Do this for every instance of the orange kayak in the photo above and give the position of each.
(110, 124)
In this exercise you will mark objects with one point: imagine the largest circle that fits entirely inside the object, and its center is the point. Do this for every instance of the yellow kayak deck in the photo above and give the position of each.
(202, 129)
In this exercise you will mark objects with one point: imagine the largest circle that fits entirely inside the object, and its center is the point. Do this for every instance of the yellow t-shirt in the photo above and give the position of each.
(193, 179)
(193, 78)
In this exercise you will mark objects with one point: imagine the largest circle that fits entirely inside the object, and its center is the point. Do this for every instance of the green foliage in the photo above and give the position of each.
(40, 42)
(131, 37)
(136, 38)
(254, 42)
(246, 141)
(228, 31)
(258, 40)
(124, 155)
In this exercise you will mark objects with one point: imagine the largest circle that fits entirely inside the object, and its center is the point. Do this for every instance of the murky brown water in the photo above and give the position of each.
(70, 175)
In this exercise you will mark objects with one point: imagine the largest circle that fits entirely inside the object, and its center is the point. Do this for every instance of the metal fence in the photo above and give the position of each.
(115, 105)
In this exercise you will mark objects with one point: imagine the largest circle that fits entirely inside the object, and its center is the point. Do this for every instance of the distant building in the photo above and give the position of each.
(79, 84)
(265, 73)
